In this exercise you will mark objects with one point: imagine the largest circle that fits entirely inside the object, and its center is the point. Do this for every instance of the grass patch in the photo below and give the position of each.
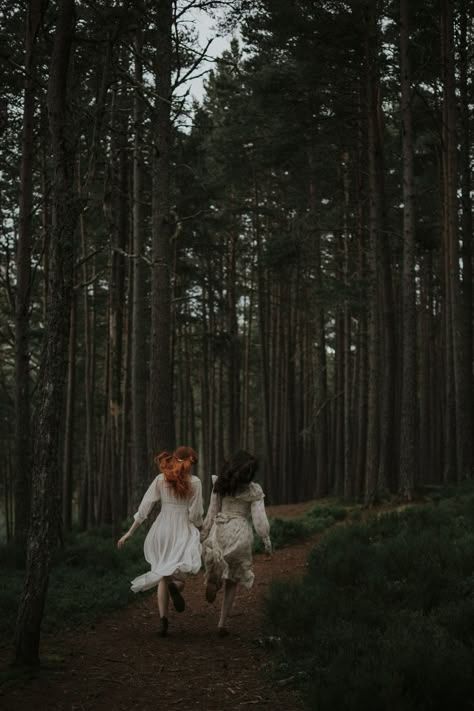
(285, 531)
(384, 618)
(89, 578)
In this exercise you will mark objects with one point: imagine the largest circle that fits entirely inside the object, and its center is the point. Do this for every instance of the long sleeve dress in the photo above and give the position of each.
(172, 544)
(227, 535)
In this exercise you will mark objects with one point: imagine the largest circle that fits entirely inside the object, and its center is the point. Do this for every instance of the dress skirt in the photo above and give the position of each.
(171, 546)
(227, 551)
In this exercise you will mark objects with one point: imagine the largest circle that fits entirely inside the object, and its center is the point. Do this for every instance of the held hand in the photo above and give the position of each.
(268, 547)
(121, 542)
(268, 553)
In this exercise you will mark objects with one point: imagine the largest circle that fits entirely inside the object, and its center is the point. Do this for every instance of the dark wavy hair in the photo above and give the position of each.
(236, 473)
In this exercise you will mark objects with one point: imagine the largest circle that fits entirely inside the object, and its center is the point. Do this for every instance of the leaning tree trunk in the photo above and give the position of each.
(408, 425)
(23, 287)
(45, 517)
(162, 435)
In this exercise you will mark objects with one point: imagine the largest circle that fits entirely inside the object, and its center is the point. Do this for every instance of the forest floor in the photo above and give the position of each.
(122, 664)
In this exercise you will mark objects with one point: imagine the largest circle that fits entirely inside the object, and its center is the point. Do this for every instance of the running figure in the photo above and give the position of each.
(227, 533)
(172, 546)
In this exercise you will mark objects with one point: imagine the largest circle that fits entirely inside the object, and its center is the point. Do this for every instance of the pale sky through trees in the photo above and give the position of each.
(207, 30)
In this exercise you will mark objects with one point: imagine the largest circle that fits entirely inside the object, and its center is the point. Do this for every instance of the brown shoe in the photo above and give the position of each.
(164, 627)
(176, 597)
(211, 591)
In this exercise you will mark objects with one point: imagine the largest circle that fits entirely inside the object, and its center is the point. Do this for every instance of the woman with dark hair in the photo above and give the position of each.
(227, 533)
(172, 546)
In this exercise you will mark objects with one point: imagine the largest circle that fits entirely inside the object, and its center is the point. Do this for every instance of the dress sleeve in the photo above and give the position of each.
(260, 521)
(259, 518)
(152, 495)
(213, 510)
(195, 504)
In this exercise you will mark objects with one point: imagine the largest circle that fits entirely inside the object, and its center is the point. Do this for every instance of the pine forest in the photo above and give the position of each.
(280, 261)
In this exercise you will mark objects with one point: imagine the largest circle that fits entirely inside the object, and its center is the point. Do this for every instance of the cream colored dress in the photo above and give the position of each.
(172, 544)
(227, 535)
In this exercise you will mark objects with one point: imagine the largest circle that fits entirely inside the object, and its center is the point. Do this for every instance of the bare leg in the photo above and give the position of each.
(163, 597)
(230, 588)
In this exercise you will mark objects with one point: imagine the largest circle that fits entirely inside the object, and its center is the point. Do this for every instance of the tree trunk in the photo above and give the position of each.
(87, 503)
(140, 458)
(346, 320)
(466, 187)
(118, 229)
(408, 433)
(321, 414)
(162, 435)
(464, 339)
(233, 349)
(372, 84)
(45, 518)
(457, 342)
(23, 286)
(263, 351)
(68, 455)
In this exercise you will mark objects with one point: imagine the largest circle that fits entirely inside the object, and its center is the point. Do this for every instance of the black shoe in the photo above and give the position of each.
(222, 632)
(164, 627)
(177, 598)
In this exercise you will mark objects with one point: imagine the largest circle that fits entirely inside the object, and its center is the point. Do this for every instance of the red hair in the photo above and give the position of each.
(176, 467)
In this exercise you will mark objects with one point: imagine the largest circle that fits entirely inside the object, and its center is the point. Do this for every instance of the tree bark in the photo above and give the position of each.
(263, 350)
(233, 371)
(408, 433)
(23, 287)
(161, 433)
(321, 414)
(68, 454)
(140, 457)
(372, 84)
(457, 337)
(45, 518)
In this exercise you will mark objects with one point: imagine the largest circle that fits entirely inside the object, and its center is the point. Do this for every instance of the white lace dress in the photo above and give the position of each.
(172, 544)
(227, 535)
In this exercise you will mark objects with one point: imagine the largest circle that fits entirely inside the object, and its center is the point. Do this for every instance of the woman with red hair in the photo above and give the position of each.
(172, 546)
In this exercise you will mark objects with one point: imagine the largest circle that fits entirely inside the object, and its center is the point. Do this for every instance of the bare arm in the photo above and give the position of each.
(152, 495)
(121, 542)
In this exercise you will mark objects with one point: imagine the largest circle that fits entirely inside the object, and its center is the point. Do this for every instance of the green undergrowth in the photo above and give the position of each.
(285, 531)
(384, 617)
(89, 577)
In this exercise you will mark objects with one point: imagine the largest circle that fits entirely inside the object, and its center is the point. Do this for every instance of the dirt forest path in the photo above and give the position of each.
(122, 664)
